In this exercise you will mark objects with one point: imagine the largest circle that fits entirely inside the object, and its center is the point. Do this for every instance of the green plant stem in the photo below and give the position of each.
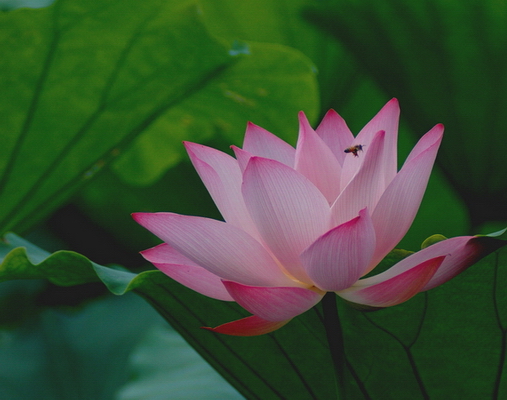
(335, 340)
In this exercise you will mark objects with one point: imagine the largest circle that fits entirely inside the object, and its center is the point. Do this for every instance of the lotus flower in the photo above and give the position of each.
(302, 222)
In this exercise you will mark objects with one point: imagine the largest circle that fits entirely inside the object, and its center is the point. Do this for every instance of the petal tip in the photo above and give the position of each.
(189, 145)
(137, 216)
(249, 326)
(303, 120)
(381, 134)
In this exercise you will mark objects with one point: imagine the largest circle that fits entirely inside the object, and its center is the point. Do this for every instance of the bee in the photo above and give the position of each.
(354, 149)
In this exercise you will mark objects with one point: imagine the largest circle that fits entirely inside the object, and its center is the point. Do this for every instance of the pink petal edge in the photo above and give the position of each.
(462, 252)
(339, 258)
(335, 133)
(273, 303)
(394, 290)
(260, 142)
(398, 205)
(222, 177)
(387, 119)
(249, 326)
(186, 272)
(242, 156)
(316, 161)
(365, 187)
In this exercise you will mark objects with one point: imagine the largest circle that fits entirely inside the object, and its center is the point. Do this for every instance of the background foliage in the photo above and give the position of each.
(103, 92)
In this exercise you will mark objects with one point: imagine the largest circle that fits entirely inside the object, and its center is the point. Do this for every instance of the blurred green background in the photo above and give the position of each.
(97, 96)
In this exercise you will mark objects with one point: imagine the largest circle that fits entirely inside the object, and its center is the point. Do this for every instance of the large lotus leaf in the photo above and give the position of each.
(446, 62)
(340, 81)
(268, 84)
(79, 80)
(266, 87)
(444, 344)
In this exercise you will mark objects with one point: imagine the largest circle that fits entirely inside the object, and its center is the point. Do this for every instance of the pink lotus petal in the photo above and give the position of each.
(385, 291)
(366, 187)
(186, 272)
(428, 140)
(242, 158)
(396, 209)
(461, 252)
(386, 120)
(288, 210)
(222, 177)
(339, 258)
(249, 326)
(316, 161)
(336, 134)
(273, 303)
(221, 248)
(163, 253)
(259, 142)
